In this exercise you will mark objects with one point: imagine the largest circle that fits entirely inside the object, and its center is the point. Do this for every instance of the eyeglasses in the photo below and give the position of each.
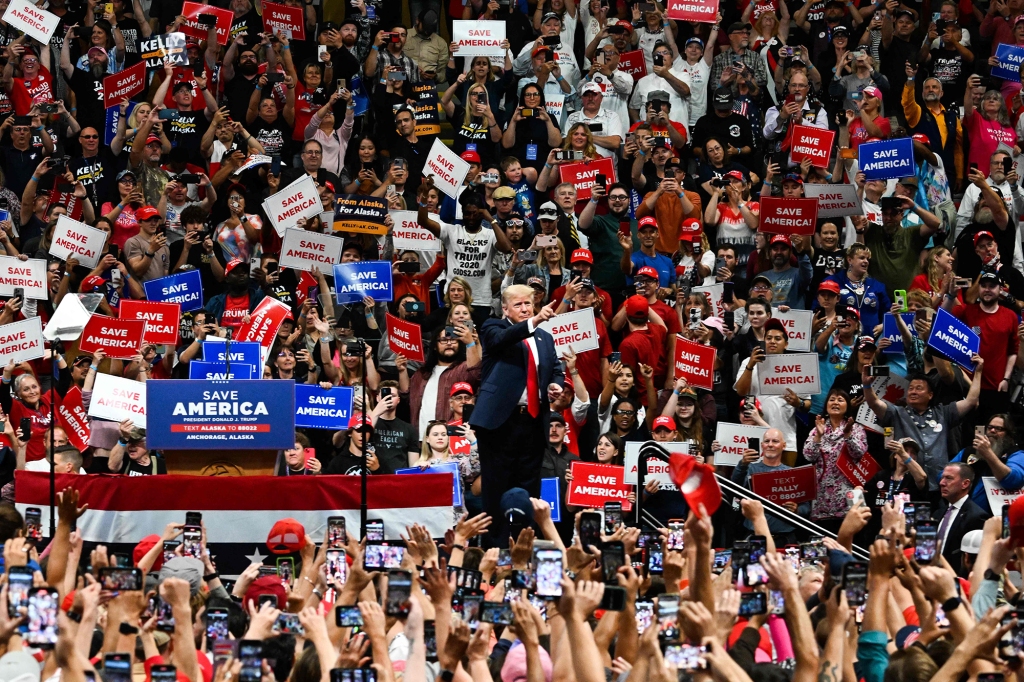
(531, 94)
(313, 152)
(993, 427)
(444, 340)
(29, 60)
(629, 413)
(760, 287)
(127, 181)
(88, 137)
(618, 197)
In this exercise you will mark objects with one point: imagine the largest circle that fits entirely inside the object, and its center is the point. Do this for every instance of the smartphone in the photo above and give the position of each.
(721, 560)
(117, 667)
(924, 512)
(655, 559)
(686, 657)
(675, 535)
(381, 555)
(855, 582)
(549, 572)
(614, 598)
(590, 529)
(374, 530)
(644, 614)
(19, 582)
(163, 673)
(165, 615)
(348, 617)
(399, 591)
(1006, 520)
(613, 557)
(753, 603)
(267, 598)
(754, 444)
(544, 241)
(336, 535)
(275, 165)
(288, 624)
(120, 579)
(523, 580)
(1012, 643)
(192, 542)
(527, 113)
(614, 357)
(504, 558)
(991, 677)
(612, 517)
(776, 603)
(250, 653)
(668, 617)
(26, 429)
(901, 299)
(337, 566)
(924, 546)
(496, 612)
(216, 624)
(321, 53)
(467, 607)
(33, 518)
(878, 370)
(430, 640)
(169, 547)
(659, 60)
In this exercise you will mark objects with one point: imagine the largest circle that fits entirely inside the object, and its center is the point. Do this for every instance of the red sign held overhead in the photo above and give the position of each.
(120, 339)
(812, 143)
(278, 18)
(73, 418)
(788, 216)
(264, 322)
(790, 485)
(705, 11)
(191, 27)
(695, 362)
(124, 85)
(161, 319)
(594, 484)
(582, 174)
(69, 200)
(405, 338)
(633, 63)
(857, 472)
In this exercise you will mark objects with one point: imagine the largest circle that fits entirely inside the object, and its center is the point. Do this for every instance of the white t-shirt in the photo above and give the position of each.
(699, 74)
(611, 126)
(679, 110)
(428, 404)
(44, 466)
(777, 412)
(469, 257)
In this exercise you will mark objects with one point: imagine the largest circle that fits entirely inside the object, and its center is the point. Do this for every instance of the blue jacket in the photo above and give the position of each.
(1012, 481)
(503, 373)
(872, 305)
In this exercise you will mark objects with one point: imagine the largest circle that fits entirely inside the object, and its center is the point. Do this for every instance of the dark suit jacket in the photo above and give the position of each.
(503, 377)
(970, 517)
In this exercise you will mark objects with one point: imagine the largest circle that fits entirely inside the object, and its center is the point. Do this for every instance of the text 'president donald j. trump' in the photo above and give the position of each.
(521, 376)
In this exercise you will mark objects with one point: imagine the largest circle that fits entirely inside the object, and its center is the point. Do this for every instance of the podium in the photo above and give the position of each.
(220, 462)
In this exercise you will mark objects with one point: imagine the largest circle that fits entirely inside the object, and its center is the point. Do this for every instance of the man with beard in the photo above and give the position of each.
(87, 85)
(988, 243)
(789, 284)
(900, 45)
(821, 31)
(939, 124)
(144, 160)
(895, 250)
(95, 168)
(240, 299)
(995, 454)
(603, 231)
(448, 362)
(1004, 184)
(239, 75)
(386, 52)
(563, 67)
(997, 327)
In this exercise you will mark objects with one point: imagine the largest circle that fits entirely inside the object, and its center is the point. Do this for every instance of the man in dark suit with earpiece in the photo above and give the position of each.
(521, 376)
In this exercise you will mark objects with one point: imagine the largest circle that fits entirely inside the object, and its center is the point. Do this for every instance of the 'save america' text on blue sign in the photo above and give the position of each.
(316, 408)
(887, 159)
(247, 352)
(185, 288)
(954, 339)
(892, 332)
(1010, 58)
(218, 371)
(353, 281)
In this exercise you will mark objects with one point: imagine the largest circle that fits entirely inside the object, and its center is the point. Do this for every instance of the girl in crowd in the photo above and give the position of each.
(334, 141)
(610, 450)
(363, 168)
(474, 122)
(550, 267)
(619, 385)
(682, 406)
(577, 139)
(436, 449)
(937, 265)
(239, 234)
(459, 292)
(531, 138)
(122, 214)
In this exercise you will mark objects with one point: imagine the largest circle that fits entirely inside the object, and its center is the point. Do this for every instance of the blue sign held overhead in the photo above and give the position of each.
(549, 493)
(247, 352)
(113, 115)
(1010, 58)
(182, 414)
(954, 339)
(353, 281)
(892, 332)
(887, 159)
(316, 408)
(185, 288)
(218, 371)
(443, 468)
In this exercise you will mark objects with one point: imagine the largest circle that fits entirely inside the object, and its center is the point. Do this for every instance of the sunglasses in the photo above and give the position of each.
(88, 137)
(626, 412)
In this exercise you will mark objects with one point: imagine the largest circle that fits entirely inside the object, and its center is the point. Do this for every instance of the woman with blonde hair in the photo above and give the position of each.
(436, 449)
(550, 267)
(577, 139)
(476, 127)
(988, 124)
(937, 265)
(459, 292)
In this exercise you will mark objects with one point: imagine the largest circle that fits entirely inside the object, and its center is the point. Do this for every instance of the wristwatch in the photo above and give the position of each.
(951, 603)
(990, 575)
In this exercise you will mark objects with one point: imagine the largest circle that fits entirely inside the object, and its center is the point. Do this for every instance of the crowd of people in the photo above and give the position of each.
(905, 570)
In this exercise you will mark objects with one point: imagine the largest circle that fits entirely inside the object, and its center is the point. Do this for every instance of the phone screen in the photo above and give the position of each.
(191, 542)
(348, 617)
(675, 535)
(668, 617)
(217, 624)
(399, 588)
(612, 516)
(117, 668)
(374, 530)
(250, 653)
(753, 603)
(590, 529)
(40, 629)
(337, 566)
(19, 583)
(855, 583)
(924, 547)
(613, 557)
(34, 521)
(549, 572)
(644, 615)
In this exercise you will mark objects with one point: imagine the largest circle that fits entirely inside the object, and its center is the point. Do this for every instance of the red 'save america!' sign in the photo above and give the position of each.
(812, 143)
(405, 338)
(594, 484)
(693, 10)
(118, 338)
(788, 216)
(633, 63)
(695, 362)
(582, 174)
(161, 319)
(124, 85)
(73, 418)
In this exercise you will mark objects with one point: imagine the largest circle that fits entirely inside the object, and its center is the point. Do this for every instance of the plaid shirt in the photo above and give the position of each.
(749, 57)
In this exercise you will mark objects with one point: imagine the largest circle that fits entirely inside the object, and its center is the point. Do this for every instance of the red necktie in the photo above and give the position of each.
(532, 388)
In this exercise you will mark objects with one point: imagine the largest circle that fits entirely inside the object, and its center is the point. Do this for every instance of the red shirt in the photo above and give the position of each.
(24, 90)
(645, 346)
(999, 340)
(235, 308)
(304, 110)
(606, 304)
(858, 133)
(40, 417)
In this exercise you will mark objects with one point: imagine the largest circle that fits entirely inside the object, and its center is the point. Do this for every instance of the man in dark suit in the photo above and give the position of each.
(521, 377)
(958, 515)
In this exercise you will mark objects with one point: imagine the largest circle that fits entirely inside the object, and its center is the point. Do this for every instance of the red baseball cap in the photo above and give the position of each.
(145, 544)
(829, 285)
(286, 536)
(647, 271)
(777, 325)
(360, 421)
(1017, 522)
(983, 233)
(91, 283)
(920, 137)
(696, 482)
(267, 584)
(582, 256)
(780, 239)
(147, 213)
(664, 422)
(647, 221)
(461, 387)
(689, 230)
(872, 91)
(232, 264)
(153, 138)
(637, 306)
(470, 156)
(330, 186)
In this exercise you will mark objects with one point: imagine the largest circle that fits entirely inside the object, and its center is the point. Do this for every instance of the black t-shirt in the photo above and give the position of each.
(826, 264)
(18, 166)
(392, 440)
(187, 128)
(97, 174)
(249, 23)
(949, 68)
(198, 260)
(156, 465)
(967, 262)
(89, 96)
(733, 129)
(237, 93)
(276, 137)
(531, 132)
(344, 462)
(893, 61)
(472, 135)
(132, 35)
